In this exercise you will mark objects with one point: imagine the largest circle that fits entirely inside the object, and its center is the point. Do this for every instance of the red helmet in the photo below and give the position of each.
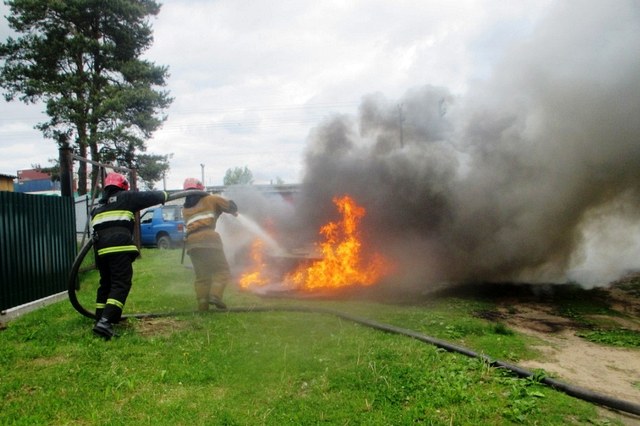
(116, 179)
(192, 183)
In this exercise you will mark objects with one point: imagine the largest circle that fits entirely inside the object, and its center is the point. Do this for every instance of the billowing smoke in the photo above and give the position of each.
(532, 175)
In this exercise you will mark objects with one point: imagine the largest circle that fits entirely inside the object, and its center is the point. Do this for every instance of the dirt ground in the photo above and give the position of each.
(607, 370)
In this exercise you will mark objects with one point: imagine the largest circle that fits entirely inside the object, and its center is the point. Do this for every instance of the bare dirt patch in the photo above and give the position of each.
(609, 370)
(151, 327)
(557, 325)
(560, 318)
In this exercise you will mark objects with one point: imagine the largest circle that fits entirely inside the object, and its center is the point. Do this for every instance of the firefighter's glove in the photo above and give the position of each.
(233, 208)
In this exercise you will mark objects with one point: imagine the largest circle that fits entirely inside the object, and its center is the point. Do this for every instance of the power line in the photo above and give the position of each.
(269, 108)
(227, 109)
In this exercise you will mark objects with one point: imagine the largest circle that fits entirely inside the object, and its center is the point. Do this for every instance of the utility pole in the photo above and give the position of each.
(400, 121)
(202, 167)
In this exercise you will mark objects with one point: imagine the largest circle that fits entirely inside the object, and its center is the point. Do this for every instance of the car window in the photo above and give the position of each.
(169, 213)
(147, 217)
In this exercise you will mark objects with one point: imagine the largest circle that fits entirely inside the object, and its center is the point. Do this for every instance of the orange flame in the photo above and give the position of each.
(343, 263)
(255, 277)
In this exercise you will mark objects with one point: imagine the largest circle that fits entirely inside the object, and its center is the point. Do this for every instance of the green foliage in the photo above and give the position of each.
(522, 397)
(501, 328)
(618, 337)
(82, 59)
(151, 168)
(238, 176)
(268, 368)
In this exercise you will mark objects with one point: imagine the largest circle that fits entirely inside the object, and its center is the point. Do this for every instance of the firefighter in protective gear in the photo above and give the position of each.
(113, 221)
(204, 245)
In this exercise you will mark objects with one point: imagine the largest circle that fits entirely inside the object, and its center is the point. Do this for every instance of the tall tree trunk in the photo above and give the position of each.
(95, 170)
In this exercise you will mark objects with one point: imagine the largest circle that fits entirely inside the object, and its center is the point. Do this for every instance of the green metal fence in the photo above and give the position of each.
(37, 246)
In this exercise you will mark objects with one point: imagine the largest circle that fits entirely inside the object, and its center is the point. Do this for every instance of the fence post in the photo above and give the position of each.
(136, 229)
(66, 165)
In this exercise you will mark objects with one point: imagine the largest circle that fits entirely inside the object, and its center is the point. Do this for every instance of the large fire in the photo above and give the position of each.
(342, 261)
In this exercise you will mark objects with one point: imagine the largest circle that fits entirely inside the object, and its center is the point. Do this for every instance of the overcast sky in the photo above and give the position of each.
(251, 79)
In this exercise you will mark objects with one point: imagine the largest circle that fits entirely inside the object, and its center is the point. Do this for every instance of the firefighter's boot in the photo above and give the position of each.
(217, 302)
(215, 294)
(103, 328)
(203, 305)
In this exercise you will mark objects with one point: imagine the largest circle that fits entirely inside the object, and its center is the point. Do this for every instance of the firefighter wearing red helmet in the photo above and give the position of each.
(192, 183)
(204, 245)
(112, 222)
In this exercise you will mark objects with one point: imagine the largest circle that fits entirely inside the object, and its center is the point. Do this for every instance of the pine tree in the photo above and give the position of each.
(82, 58)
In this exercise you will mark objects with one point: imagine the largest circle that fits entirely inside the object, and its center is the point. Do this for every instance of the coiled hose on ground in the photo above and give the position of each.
(575, 391)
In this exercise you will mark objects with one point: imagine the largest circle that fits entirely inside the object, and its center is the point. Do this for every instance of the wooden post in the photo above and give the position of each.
(136, 229)
(66, 172)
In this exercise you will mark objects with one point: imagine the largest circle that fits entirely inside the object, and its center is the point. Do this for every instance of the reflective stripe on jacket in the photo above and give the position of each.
(113, 220)
(201, 219)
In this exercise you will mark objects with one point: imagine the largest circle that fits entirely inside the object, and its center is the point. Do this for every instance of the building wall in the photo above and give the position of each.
(37, 185)
(6, 183)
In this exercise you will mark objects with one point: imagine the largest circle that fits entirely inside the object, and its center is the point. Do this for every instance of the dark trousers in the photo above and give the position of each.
(116, 272)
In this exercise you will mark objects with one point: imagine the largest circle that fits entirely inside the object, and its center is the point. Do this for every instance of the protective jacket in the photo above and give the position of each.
(200, 215)
(113, 219)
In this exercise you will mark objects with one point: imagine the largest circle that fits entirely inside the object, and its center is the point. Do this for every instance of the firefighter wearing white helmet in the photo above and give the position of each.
(113, 221)
(204, 244)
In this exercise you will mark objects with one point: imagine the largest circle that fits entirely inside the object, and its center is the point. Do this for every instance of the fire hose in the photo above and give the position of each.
(569, 389)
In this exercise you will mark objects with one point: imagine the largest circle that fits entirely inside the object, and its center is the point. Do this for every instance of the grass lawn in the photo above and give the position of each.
(265, 368)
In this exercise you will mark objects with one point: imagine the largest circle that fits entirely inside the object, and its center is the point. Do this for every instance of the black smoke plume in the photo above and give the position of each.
(510, 181)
